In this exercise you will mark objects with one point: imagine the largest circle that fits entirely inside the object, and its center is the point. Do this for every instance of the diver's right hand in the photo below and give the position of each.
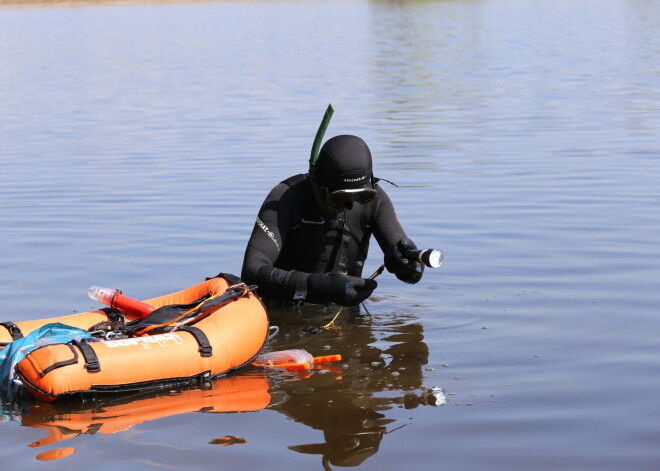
(336, 288)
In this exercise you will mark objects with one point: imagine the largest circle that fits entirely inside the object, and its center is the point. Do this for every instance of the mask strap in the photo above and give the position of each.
(376, 180)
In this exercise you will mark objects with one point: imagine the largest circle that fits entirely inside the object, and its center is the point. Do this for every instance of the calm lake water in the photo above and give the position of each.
(137, 143)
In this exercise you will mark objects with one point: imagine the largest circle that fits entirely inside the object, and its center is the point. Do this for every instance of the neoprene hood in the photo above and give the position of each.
(344, 163)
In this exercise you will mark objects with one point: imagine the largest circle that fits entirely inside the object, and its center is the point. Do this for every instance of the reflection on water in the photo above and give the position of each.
(111, 414)
(382, 369)
(348, 401)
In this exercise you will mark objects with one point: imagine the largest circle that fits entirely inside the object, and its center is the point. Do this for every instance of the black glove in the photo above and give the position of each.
(337, 288)
(406, 269)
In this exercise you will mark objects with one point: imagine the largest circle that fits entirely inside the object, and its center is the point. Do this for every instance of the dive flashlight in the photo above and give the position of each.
(432, 258)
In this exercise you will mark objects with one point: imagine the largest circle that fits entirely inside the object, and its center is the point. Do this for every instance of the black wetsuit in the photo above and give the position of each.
(293, 237)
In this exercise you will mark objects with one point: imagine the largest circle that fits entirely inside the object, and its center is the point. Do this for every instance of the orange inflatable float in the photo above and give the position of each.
(217, 326)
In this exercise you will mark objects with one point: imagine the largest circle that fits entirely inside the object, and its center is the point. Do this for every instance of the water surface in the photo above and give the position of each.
(138, 141)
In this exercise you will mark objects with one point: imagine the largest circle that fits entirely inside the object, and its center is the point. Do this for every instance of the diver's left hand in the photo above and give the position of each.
(405, 269)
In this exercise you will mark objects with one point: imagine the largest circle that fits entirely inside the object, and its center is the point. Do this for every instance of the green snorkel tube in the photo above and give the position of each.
(313, 168)
(316, 147)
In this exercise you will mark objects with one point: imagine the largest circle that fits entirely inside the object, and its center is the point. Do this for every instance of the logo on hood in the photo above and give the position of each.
(353, 180)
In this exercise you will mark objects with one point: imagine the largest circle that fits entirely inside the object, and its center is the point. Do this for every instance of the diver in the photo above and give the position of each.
(312, 233)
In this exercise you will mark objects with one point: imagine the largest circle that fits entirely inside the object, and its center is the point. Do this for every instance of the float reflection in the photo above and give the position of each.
(64, 420)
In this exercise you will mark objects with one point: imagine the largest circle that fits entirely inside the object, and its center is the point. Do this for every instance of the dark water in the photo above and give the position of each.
(137, 143)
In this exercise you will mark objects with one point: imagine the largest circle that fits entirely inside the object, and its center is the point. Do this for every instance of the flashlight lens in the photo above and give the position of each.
(434, 258)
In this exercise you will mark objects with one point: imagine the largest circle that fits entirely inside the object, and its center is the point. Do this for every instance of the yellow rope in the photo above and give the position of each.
(332, 322)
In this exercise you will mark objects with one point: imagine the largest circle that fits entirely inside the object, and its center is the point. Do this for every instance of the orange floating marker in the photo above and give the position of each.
(327, 359)
(293, 359)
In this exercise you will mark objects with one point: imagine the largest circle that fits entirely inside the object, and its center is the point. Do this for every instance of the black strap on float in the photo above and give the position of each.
(232, 279)
(91, 359)
(113, 314)
(60, 364)
(13, 329)
(205, 348)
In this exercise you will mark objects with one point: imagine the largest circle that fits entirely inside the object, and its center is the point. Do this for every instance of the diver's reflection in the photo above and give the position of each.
(382, 368)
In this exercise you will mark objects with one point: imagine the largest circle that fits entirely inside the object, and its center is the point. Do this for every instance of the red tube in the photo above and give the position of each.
(114, 298)
(130, 305)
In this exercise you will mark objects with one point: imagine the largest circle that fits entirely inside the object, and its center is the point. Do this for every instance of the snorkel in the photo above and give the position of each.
(313, 165)
(316, 147)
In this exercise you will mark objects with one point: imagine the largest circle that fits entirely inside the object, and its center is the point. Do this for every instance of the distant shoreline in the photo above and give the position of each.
(73, 3)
